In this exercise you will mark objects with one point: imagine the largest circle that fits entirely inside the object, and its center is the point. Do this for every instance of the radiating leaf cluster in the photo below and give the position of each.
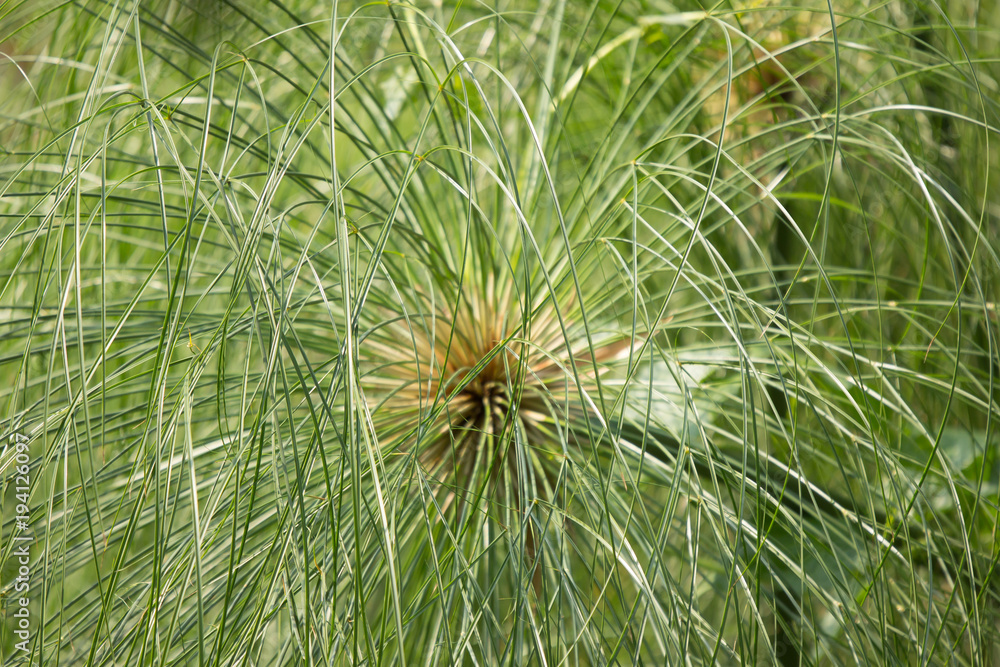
(555, 333)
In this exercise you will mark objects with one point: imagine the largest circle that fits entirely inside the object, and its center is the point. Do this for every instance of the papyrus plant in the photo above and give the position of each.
(559, 333)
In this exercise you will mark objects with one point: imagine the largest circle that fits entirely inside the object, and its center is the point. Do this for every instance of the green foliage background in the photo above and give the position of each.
(558, 333)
